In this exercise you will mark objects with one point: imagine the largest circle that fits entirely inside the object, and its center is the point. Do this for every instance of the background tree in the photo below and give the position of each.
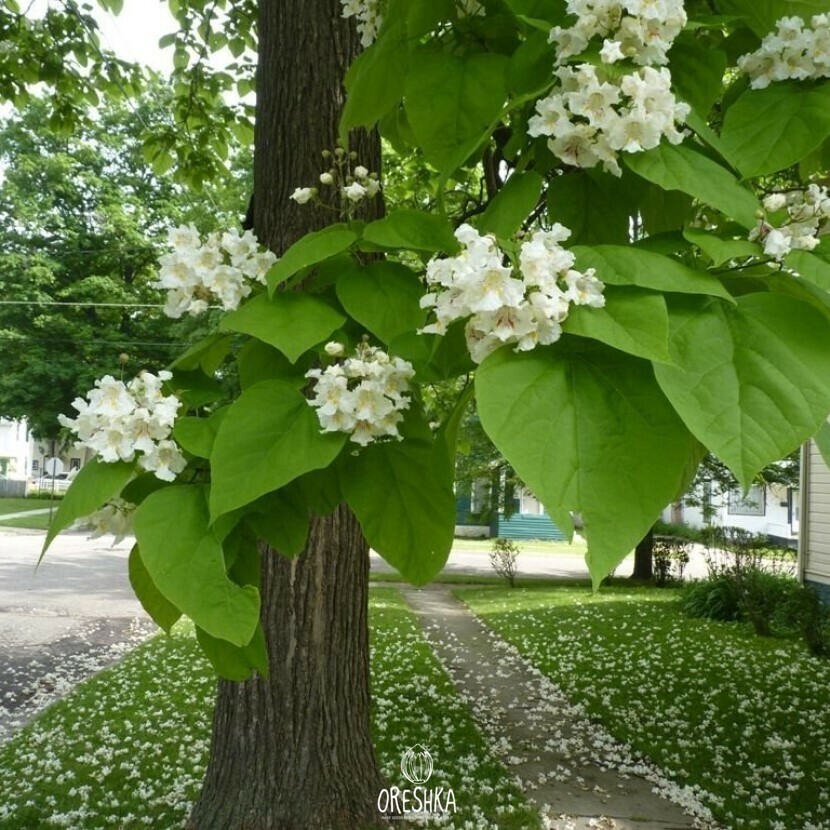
(83, 220)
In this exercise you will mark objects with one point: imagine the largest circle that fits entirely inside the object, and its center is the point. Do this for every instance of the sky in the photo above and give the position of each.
(134, 34)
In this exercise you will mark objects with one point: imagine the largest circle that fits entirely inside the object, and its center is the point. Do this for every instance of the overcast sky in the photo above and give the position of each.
(134, 34)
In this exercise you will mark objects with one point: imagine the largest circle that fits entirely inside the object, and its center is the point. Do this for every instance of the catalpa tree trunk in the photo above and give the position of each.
(294, 752)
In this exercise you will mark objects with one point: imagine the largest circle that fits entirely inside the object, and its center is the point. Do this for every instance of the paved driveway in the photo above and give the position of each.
(73, 616)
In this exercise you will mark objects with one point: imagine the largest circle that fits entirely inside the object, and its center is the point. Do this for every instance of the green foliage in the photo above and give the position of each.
(414, 530)
(268, 438)
(795, 122)
(163, 613)
(289, 321)
(584, 408)
(184, 559)
(310, 250)
(384, 297)
(689, 171)
(95, 484)
(714, 598)
(729, 354)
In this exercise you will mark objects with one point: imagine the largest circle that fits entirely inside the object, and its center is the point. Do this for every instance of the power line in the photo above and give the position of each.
(87, 304)
(89, 341)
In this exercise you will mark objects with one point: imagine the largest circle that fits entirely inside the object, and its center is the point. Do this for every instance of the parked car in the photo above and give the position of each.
(61, 482)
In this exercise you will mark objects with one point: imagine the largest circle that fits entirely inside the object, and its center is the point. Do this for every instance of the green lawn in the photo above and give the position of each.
(743, 720)
(127, 749)
(40, 522)
(19, 505)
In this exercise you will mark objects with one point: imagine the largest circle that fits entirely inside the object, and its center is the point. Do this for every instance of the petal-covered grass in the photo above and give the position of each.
(743, 720)
(128, 748)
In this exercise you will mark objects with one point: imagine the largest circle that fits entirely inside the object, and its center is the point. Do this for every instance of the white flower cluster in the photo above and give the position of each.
(640, 30)
(353, 185)
(369, 17)
(592, 116)
(115, 517)
(590, 121)
(793, 52)
(364, 395)
(218, 269)
(119, 421)
(805, 215)
(527, 308)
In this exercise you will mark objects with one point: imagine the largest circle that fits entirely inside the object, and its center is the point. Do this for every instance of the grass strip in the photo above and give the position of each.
(743, 720)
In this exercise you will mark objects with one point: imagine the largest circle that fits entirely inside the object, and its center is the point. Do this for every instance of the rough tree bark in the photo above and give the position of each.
(295, 752)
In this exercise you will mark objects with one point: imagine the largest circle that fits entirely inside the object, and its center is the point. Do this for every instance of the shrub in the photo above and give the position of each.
(504, 559)
(679, 530)
(671, 555)
(763, 595)
(715, 598)
(804, 611)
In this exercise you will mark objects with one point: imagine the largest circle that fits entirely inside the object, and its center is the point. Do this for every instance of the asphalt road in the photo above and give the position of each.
(64, 621)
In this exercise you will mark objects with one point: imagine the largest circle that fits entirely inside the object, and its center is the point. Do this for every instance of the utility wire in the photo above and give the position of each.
(90, 304)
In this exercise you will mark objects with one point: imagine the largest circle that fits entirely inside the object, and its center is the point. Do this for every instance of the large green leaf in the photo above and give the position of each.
(812, 265)
(375, 81)
(309, 250)
(770, 129)
(762, 15)
(750, 381)
(822, 442)
(281, 519)
(384, 297)
(269, 437)
(591, 432)
(452, 101)
(196, 435)
(402, 494)
(94, 485)
(185, 561)
(512, 204)
(163, 613)
(414, 230)
(206, 355)
(233, 662)
(721, 250)
(290, 321)
(258, 361)
(595, 206)
(620, 265)
(679, 167)
(633, 320)
(697, 72)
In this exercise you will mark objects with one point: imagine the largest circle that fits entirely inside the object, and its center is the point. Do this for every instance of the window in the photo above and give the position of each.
(74, 464)
(35, 465)
(755, 503)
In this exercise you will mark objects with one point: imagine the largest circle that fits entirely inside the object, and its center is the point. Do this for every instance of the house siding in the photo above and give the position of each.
(523, 526)
(815, 521)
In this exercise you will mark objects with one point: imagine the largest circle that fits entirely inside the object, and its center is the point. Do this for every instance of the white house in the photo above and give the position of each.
(772, 510)
(814, 542)
(23, 457)
(14, 450)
